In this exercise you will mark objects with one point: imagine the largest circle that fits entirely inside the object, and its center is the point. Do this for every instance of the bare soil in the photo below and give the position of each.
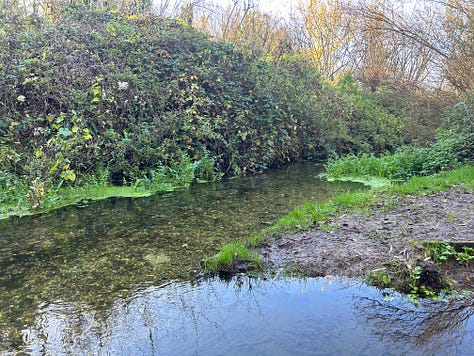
(393, 230)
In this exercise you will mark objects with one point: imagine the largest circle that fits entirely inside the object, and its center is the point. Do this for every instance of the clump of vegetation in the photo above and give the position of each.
(155, 103)
(442, 252)
(419, 281)
(451, 148)
(425, 279)
(233, 257)
(448, 151)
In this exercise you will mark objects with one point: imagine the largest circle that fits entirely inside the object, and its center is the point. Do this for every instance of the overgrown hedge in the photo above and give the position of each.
(94, 91)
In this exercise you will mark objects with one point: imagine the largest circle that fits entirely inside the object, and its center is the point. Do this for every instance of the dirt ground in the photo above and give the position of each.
(354, 244)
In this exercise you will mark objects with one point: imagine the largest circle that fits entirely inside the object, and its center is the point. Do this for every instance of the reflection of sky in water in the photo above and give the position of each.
(248, 317)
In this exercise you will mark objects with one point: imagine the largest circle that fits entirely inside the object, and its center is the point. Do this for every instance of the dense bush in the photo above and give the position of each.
(93, 91)
(460, 119)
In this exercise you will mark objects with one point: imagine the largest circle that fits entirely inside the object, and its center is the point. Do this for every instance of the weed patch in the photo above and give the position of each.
(232, 257)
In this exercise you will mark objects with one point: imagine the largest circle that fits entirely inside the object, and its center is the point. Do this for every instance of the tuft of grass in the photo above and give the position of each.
(257, 239)
(229, 255)
(299, 218)
(422, 185)
(356, 199)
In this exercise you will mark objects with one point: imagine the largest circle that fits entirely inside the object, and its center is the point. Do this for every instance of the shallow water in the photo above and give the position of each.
(86, 280)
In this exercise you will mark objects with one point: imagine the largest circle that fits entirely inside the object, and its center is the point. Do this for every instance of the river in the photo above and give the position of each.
(122, 277)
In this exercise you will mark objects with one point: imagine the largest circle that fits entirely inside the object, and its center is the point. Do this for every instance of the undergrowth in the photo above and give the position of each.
(22, 200)
(450, 150)
(164, 104)
(229, 255)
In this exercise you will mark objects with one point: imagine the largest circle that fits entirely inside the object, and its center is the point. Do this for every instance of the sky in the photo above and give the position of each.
(276, 7)
(280, 7)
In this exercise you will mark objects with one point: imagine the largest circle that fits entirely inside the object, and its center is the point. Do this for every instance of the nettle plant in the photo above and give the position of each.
(441, 252)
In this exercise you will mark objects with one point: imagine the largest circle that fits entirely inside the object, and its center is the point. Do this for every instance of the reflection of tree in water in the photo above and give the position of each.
(432, 327)
(179, 317)
(149, 322)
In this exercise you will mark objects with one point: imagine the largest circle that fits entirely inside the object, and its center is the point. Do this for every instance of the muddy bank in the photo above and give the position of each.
(391, 233)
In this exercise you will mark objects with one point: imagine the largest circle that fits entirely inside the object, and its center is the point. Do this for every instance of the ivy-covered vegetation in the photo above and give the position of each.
(94, 97)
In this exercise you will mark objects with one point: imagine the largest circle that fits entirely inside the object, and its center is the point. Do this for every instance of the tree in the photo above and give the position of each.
(242, 23)
(329, 34)
(437, 36)
(382, 55)
(459, 28)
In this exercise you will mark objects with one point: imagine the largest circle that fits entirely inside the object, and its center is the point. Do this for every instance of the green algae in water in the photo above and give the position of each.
(369, 181)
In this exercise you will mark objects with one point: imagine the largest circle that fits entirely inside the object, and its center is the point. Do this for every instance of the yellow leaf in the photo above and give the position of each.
(13, 125)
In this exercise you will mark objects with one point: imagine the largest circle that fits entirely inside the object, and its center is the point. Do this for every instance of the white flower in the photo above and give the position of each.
(122, 85)
(38, 131)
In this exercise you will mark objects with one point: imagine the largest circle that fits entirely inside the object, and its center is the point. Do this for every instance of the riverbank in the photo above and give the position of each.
(383, 243)
(38, 198)
(391, 238)
(72, 196)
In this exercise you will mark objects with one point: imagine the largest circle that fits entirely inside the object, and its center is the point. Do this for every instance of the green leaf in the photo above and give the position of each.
(64, 131)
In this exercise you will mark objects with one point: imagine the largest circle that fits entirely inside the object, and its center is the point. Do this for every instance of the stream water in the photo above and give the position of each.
(121, 277)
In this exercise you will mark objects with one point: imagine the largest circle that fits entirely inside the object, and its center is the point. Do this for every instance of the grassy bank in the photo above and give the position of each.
(450, 149)
(310, 214)
(62, 197)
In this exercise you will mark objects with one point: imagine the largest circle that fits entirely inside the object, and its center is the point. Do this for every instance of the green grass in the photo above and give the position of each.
(450, 150)
(310, 214)
(228, 255)
(438, 182)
